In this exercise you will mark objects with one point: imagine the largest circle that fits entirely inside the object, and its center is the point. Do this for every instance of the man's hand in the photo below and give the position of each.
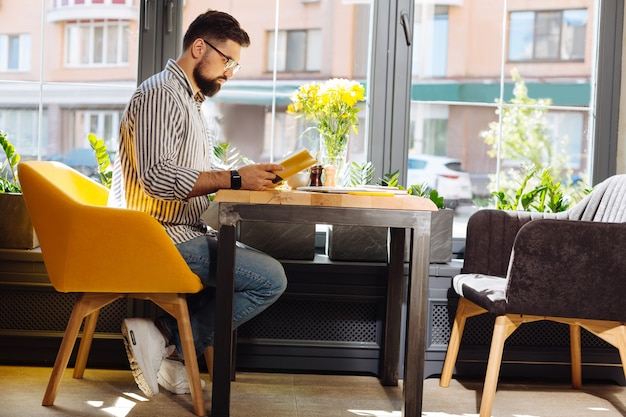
(255, 177)
(258, 176)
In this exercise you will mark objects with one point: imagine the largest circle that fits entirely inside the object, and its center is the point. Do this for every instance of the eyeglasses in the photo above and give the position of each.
(230, 63)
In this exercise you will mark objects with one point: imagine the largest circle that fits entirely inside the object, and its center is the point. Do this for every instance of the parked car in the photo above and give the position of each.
(83, 160)
(443, 174)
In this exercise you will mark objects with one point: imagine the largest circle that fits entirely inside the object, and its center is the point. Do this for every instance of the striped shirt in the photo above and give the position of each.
(164, 144)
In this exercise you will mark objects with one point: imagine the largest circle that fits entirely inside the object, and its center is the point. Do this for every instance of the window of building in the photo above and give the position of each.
(104, 124)
(97, 43)
(22, 124)
(296, 50)
(15, 52)
(547, 35)
(431, 37)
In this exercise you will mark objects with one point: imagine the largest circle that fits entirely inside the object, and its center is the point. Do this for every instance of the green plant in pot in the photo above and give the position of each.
(537, 190)
(17, 228)
(9, 184)
(441, 223)
(360, 173)
(370, 243)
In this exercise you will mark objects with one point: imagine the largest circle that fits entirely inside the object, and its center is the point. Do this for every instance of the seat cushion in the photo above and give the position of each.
(487, 291)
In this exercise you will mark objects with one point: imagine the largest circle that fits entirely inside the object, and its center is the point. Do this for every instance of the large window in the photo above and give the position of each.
(433, 84)
(547, 35)
(501, 115)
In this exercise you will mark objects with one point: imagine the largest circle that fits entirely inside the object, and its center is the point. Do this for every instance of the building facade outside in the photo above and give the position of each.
(69, 69)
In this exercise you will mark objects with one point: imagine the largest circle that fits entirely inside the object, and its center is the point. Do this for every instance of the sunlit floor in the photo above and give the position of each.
(114, 393)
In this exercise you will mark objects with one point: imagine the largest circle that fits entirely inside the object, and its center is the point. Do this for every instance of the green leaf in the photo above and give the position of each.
(103, 158)
(361, 174)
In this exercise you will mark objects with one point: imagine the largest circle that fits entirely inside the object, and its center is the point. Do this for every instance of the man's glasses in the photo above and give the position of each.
(230, 63)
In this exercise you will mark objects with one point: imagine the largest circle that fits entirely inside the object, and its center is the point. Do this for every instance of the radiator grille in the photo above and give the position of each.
(317, 320)
(440, 329)
(45, 310)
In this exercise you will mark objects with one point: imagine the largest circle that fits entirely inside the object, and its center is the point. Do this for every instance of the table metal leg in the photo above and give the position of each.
(393, 316)
(417, 310)
(225, 288)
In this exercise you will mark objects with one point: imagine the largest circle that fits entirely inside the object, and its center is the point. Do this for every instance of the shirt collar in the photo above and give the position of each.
(180, 75)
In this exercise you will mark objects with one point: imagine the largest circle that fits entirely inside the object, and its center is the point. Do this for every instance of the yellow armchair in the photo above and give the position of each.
(103, 254)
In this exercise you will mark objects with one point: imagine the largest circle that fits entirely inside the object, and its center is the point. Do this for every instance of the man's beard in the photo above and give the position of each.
(209, 87)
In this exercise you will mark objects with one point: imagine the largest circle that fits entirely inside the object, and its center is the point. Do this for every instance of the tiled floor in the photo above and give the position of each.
(114, 393)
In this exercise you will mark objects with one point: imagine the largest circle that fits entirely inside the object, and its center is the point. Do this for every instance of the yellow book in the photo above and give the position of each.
(293, 164)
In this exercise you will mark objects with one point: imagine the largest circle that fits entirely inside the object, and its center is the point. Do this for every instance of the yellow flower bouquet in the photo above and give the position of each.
(333, 105)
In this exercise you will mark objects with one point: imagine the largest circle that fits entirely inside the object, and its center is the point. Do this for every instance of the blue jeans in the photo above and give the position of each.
(259, 281)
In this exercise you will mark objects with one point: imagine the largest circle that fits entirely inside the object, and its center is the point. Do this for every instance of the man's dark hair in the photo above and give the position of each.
(215, 26)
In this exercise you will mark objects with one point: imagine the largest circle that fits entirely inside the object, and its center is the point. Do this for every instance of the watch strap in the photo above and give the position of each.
(235, 180)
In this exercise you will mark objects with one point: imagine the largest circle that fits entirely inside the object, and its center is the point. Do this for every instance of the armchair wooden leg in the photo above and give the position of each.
(503, 327)
(85, 344)
(612, 332)
(85, 304)
(63, 356)
(208, 357)
(575, 354)
(621, 345)
(176, 305)
(464, 310)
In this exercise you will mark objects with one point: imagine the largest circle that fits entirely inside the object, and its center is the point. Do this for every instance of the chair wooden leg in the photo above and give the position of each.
(85, 304)
(85, 344)
(612, 332)
(576, 357)
(621, 345)
(503, 327)
(176, 305)
(208, 357)
(464, 310)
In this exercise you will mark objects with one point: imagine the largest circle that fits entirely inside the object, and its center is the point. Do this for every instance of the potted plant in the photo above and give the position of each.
(441, 224)
(351, 243)
(17, 228)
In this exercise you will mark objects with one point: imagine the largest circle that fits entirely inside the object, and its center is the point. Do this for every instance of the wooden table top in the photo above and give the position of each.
(307, 198)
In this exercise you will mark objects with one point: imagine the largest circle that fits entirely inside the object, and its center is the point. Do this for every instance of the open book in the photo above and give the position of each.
(293, 164)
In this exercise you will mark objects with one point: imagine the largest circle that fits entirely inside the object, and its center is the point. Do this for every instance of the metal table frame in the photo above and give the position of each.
(398, 222)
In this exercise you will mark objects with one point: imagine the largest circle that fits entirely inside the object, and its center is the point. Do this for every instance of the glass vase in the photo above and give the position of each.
(333, 153)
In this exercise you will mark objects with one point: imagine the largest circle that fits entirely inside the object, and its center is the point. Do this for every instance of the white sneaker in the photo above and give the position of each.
(173, 377)
(145, 348)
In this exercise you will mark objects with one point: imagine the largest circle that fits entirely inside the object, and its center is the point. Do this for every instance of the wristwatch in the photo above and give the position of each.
(235, 180)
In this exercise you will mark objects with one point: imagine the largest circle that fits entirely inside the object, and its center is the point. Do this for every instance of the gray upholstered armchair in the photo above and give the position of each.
(568, 267)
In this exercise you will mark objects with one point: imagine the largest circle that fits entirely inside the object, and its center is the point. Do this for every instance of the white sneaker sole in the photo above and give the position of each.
(140, 378)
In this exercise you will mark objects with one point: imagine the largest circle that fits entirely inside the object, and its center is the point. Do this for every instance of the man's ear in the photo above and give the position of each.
(198, 47)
